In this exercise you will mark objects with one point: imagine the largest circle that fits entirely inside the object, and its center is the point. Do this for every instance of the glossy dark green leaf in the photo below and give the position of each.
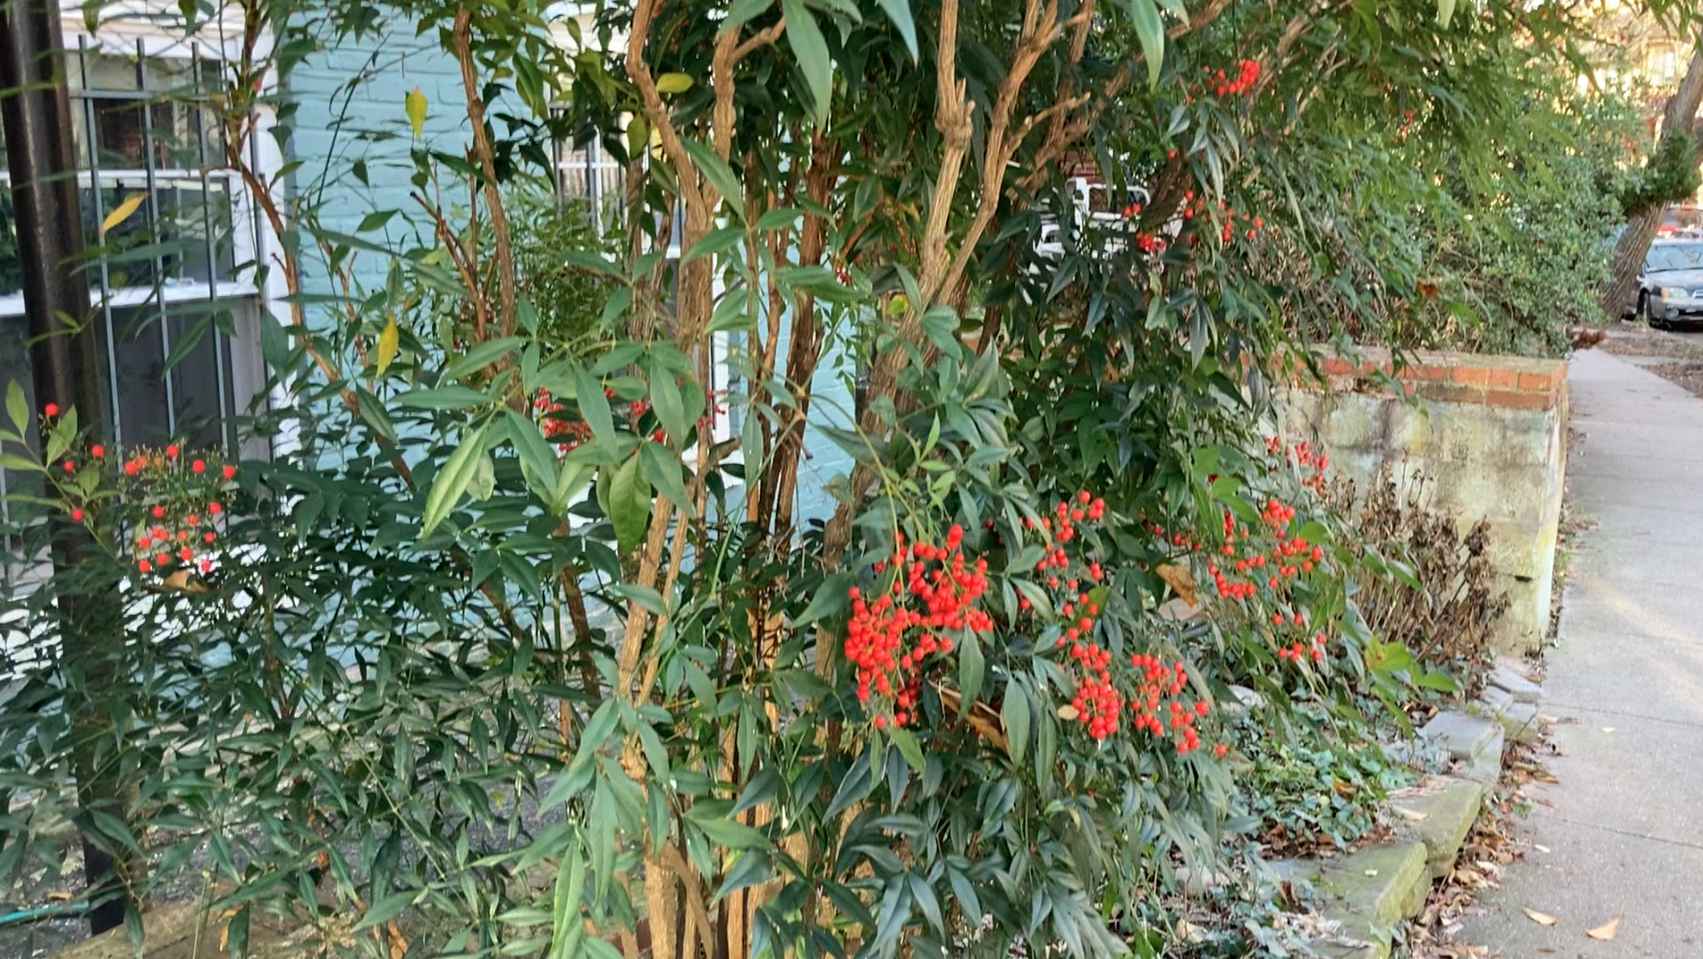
(629, 503)
(811, 49)
(452, 481)
(1150, 32)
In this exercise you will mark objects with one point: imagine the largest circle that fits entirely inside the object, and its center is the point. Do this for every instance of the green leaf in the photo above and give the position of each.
(589, 260)
(656, 757)
(1150, 31)
(594, 406)
(831, 597)
(670, 407)
(908, 746)
(715, 243)
(807, 43)
(236, 933)
(732, 835)
(629, 504)
(481, 356)
(386, 909)
(1014, 714)
(458, 471)
(743, 11)
(1445, 13)
(662, 469)
(720, 175)
(566, 927)
(779, 218)
(16, 409)
(646, 597)
(447, 398)
(375, 221)
(673, 83)
(597, 731)
(899, 11)
(1438, 680)
(971, 665)
(537, 460)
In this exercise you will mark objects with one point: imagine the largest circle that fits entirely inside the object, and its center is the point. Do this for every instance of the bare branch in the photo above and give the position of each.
(488, 167)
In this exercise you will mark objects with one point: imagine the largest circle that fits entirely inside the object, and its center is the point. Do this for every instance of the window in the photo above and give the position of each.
(171, 275)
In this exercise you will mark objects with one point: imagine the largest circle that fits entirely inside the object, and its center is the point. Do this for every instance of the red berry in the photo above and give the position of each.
(215, 508)
(198, 466)
(171, 449)
(76, 514)
(69, 466)
(51, 409)
(230, 471)
(97, 450)
(143, 566)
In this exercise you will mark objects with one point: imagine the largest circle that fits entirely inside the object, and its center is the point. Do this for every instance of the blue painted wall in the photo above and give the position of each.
(336, 124)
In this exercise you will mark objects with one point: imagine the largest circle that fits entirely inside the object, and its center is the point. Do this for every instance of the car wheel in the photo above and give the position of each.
(1644, 313)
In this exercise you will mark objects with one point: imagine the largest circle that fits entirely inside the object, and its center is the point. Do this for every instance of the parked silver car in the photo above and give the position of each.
(1671, 283)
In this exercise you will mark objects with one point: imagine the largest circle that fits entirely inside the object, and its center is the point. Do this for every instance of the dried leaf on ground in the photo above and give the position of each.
(1541, 918)
(1605, 931)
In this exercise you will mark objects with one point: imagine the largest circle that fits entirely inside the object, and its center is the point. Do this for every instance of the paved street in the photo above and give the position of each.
(1623, 828)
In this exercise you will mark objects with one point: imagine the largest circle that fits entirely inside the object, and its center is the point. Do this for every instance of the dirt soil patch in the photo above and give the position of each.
(1638, 340)
(1687, 374)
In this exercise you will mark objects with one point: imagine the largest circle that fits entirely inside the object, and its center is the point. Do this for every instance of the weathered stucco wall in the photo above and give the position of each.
(1486, 434)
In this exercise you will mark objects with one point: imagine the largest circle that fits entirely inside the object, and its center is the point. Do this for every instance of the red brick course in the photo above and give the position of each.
(1506, 381)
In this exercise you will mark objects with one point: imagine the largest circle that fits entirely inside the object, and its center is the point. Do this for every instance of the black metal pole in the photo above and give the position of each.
(35, 108)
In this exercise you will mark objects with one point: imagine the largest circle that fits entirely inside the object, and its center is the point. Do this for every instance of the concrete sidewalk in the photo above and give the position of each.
(1624, 826)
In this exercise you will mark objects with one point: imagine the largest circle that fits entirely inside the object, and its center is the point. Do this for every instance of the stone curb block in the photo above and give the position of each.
(1485, 766)
(1369, 893)
(1463, 735)
(1520, 722)
(1440, 813)
(1520, 688)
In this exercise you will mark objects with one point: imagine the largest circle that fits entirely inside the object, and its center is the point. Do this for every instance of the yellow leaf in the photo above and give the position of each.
(122, 211)
(1068, 712)
(1541, 918)
(673, 83)
(415, 105)
(387, 345)
(1605, 931)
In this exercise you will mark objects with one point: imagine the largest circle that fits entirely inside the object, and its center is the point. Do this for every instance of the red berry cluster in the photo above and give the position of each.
(569, 432)
(1247, 74)
(1154, 693)
(900, 635)
(1310, 462)
(1296, 652)
(1158, 706)
(176, 496)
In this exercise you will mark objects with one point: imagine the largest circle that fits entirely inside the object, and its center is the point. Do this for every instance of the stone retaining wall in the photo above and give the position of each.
(1485, 435)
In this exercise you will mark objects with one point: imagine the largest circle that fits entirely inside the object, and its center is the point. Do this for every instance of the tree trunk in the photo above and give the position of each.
(1634, 243)
(36, 114)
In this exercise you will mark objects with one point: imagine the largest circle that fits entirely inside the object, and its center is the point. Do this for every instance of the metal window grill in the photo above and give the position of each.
(173, 267)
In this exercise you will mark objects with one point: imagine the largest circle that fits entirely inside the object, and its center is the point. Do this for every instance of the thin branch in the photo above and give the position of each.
(487, 164)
